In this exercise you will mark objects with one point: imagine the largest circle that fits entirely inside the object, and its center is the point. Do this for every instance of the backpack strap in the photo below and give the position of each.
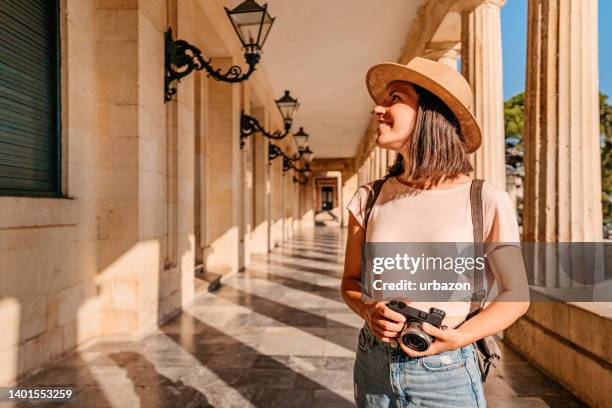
(478, 294)
(374, 192)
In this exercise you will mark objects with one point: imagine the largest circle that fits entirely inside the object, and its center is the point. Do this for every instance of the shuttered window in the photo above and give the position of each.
(29, 98)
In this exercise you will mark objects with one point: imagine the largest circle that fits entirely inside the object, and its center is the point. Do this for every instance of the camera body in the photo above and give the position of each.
(412, 335)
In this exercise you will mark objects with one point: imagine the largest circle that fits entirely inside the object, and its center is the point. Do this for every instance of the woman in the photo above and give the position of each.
(423, 113)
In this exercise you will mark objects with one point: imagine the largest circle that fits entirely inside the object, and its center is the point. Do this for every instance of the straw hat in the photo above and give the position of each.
(438, 78)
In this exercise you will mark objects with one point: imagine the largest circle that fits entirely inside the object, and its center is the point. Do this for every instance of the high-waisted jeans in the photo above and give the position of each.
(385, 376)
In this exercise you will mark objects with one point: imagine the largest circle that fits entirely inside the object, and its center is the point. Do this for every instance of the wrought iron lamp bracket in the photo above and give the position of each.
(288, 165)
(302, 182)
(250, 125)
(182, 58)
(295, 157)
(273, 152)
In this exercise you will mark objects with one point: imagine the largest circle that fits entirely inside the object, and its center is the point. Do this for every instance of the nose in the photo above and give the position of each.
(379, 110)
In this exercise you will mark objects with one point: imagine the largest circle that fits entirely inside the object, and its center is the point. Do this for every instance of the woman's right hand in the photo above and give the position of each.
(384, 323)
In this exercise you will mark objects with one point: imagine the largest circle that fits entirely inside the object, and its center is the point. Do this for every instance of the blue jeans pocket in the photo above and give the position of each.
(367, 340)
(446, 361)
(364, 341)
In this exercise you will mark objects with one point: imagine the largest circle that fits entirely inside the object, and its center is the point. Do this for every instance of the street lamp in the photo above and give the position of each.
(251, 22)
(301, 138)
(287, 106)
(274, 151)
(307, 154)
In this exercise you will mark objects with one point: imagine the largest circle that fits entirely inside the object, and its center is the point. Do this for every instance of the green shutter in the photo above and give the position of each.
(29, 98)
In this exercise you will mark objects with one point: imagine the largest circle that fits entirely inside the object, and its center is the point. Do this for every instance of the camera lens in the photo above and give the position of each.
(413, 337)
(416, 343)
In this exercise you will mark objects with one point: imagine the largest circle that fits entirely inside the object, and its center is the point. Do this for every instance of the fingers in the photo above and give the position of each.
(382, 337)
(435, 348)
(383, 323)
(389, 334)
(381, 333)
(391, 326)
(385, 328)
(434, 331)
(387, 313)
(411, 353)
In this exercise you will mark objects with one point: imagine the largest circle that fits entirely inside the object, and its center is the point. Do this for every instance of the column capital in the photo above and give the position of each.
(499, 3)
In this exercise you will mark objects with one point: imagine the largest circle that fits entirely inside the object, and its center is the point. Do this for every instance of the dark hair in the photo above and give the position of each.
(436, 148)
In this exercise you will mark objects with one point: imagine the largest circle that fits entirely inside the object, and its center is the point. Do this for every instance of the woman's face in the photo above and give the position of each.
(396, 115)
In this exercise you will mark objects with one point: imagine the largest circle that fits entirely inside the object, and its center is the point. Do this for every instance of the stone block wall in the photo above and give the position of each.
(115, 255)
(570, 343)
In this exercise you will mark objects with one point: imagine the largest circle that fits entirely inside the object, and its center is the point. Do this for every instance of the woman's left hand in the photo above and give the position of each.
(446, 340)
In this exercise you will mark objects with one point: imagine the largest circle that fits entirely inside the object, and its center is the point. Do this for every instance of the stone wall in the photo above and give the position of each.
(115, 255)
(570, 343)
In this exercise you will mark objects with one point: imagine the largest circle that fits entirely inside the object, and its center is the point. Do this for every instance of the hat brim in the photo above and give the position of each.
(380, 76)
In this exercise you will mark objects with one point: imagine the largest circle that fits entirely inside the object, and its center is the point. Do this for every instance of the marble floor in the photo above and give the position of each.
(277, 335)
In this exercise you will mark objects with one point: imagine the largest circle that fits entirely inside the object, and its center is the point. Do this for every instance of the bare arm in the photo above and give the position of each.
(351, 279)
(384, 322)
(511, 303)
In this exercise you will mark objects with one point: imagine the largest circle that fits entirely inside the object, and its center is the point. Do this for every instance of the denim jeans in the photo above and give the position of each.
(385, 376)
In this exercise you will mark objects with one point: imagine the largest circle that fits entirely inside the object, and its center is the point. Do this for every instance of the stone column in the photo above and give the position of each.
(373, 165)
(295, 212)
(376, 162)
(287, 204)
(276, 171)
(561, 133)
(223, 195)
(392, 155)
(445, 52)
(481, 65)
(261, 186)
(246, 187)
(450, 58)
(307, 209)
(349, 188)
(562, 194)
(383, 162)
(283, 201)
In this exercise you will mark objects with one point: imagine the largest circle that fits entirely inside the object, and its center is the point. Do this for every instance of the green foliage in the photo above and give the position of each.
(605, 123)
(514, 109)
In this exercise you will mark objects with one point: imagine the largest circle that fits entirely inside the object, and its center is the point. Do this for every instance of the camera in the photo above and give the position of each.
(412, 336)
